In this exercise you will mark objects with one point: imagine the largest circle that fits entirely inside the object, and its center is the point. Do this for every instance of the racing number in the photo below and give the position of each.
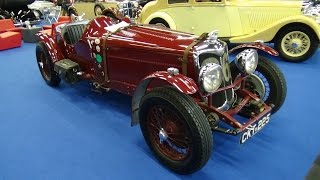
(225, 68)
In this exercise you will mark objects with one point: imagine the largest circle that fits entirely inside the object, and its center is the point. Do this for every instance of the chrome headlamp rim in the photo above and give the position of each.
(120, 5)
(213, 70)
(247, 61)
(135, 4)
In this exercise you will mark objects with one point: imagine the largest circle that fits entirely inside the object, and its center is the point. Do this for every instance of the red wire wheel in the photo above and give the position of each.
(45, 65)
(176, 130)
(169, 133)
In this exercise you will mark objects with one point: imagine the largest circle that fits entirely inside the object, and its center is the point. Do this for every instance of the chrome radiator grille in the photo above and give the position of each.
(223, 98)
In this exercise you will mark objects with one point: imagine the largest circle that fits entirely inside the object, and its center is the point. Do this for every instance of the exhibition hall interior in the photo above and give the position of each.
(159, 89)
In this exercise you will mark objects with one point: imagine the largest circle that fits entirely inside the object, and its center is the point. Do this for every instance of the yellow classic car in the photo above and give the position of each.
(293, 26)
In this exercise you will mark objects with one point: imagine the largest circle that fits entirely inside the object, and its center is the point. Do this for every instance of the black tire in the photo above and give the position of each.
(193, 128)
(99, 7)
(305, 33)
(273, 76)
(46, 69)
(159, 22)
(72, 10)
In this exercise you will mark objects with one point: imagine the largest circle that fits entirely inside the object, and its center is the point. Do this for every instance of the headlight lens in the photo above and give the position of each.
(247, 61)
(210, 77)
(135, 4)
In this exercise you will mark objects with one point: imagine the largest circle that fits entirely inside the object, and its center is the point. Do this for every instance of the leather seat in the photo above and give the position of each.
(73, 32)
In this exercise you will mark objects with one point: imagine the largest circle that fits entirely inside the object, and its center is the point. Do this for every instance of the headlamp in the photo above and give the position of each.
(210, 77)
(247, 61)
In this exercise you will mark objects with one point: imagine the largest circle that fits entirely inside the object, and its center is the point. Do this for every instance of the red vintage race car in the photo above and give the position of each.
(183, 85)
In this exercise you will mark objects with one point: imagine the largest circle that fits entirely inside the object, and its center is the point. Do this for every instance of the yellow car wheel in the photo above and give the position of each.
(98, 8)
(296, 44)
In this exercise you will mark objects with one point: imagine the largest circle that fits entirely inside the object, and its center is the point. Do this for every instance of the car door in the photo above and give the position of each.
(209, 16)
(179, 11)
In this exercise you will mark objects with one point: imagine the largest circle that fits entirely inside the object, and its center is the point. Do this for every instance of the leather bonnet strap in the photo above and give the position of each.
(186, 53)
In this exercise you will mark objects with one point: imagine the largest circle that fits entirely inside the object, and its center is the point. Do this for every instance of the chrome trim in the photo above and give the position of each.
(218, 48)
(243, 57)
(227, 104)
(129, 8)
(212, 37)
(163, 136)
(203, 73)
(173, 71)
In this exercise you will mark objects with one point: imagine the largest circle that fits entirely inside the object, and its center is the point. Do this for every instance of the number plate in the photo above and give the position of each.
(255, 127)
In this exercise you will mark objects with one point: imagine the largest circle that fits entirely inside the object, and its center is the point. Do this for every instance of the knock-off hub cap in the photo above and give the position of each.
(163, 136)
(296, 43)
(98, 11)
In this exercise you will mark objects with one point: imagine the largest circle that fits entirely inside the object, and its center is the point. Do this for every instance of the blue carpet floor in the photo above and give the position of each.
(73, 133)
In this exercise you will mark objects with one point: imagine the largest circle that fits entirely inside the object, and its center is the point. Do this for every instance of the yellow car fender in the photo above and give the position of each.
(267, 34)
(163, 16)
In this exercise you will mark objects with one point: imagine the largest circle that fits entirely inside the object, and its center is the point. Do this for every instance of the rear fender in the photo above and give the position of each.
(51, 46)
(256, 45)
(180, 82)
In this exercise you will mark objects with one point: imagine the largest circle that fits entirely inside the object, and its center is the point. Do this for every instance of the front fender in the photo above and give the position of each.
(51, 45)
(267, 34)
(161, 15)
(180, 82)
(256, 45)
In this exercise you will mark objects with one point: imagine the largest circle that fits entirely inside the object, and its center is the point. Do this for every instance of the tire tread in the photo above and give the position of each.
(187, 105)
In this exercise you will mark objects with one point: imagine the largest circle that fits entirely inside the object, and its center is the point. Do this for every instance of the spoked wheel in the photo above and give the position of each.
(267, 82)
(169, 133)
(98, 9)
(296, 44)
(46, 66)
(72, 10)
(176, 130)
